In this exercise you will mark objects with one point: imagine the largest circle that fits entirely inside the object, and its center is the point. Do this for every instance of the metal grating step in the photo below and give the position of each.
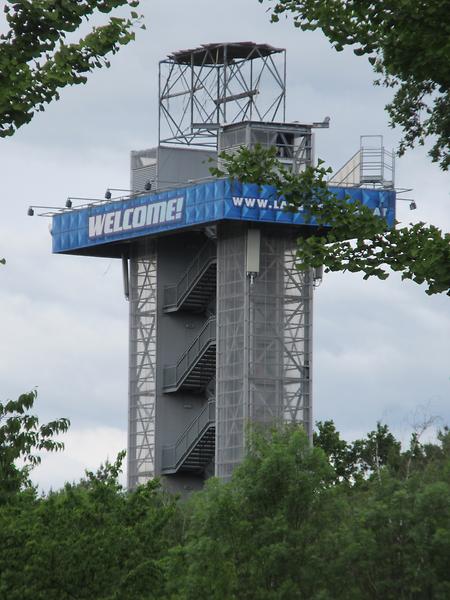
(197, 366)
(202, 453)
(195, 448)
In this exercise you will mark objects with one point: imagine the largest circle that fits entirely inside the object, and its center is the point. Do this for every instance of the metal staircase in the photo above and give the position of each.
(195, 447)
(197, 366)
(372, 166)
(197, 285)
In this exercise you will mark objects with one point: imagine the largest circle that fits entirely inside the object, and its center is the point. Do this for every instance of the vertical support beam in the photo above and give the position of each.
(297, 347)
(218, 92)
(284, 85)
(142, 364)
(251, 88)
(225, 81)
(159, 102)
(192, 91)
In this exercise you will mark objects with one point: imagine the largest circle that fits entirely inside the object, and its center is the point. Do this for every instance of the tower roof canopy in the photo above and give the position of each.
(220, 53)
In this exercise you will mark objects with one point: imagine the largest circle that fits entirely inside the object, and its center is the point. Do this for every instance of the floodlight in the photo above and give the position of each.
(318, 276)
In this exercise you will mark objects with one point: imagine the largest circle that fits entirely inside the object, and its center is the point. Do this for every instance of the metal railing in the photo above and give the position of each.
(173, 455)
(174, 375)
(371, 165)
(175, 294)
(348, 174)
(377, 166)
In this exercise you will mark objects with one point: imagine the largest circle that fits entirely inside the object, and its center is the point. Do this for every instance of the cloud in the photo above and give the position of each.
(381, 351)
(380, 348)
(84, 449)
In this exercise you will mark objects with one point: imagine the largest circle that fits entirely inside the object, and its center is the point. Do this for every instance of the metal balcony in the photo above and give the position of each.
(372, 166)
(197, 366)
(197, 285)
(195, 447)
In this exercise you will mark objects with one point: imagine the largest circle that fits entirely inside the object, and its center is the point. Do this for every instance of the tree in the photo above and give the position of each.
(347, 236)
(250, 538)
(288, 527)
(21, 439)
(365, 457)
(408, 44)
(87, 540)
(35, 60)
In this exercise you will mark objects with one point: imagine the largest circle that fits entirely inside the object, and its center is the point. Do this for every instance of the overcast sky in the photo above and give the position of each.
(382, 348)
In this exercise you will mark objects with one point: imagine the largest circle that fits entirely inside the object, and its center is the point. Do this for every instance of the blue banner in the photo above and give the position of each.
(182, 208)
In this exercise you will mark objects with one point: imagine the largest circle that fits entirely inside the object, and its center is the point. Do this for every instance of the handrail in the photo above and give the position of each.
(176, 293)
(174, 374)
(172, 455)
(368, 165)
(346, 170)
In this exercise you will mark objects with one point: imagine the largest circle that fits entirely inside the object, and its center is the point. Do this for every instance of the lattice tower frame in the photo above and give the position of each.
(264, 352)
(142, 363)
(217, 84)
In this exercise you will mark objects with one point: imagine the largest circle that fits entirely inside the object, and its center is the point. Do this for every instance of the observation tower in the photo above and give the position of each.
(220, 318)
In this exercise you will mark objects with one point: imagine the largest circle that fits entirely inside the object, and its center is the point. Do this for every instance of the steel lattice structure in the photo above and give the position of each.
(216, 84)
(297, 347)
(142, 366)
(264, 343)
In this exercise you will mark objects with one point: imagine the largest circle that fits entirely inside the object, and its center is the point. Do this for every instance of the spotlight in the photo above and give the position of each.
(108, 194)
(148, 186)
(68, 203)
(412, 206)
(30, 211)
(318, 276)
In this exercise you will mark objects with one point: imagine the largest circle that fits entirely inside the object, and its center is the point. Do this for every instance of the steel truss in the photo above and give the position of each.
(142, 364)
(218, 84)
(264, 344)
(297, 350)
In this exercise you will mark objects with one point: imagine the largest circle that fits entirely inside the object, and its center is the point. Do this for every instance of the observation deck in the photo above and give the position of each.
(105, 228)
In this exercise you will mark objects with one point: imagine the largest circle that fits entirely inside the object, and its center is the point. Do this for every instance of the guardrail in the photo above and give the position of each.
(175, 294)
(174, 375)
(173, 455)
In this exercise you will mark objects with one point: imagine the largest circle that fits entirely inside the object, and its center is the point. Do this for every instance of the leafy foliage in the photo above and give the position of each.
(336, 520)
(408, 44)
(21, 439)
(289, 526)
(354, 462)
(348, 236)
(35, 60)
(90, 540)
(251, 538)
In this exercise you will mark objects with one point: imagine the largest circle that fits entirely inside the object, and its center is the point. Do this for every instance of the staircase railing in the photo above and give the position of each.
(350, 173)
(174, 375)
(173, 455)
(370, 165)
(175, 294)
